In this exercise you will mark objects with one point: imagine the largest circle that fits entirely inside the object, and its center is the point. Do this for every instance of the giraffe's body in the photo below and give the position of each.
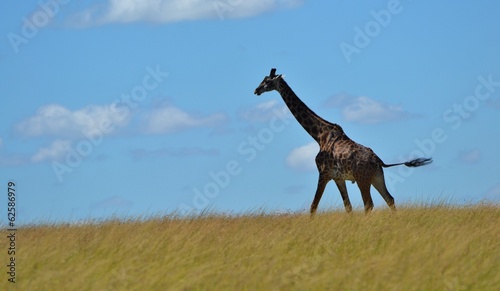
(339, 157)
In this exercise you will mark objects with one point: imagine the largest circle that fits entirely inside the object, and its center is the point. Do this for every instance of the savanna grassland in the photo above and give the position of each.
(416, 248)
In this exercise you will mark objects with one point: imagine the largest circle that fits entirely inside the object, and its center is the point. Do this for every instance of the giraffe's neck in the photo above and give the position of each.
(310, 121)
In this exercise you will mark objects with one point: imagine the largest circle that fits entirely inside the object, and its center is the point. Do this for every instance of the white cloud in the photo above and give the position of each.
(303, 158)
(264, 111)
(164, 11)
(58, 121)
(169, 119)
(65, 127)
(266, 105)
(470, 157)
(365, 110)
(54, 152)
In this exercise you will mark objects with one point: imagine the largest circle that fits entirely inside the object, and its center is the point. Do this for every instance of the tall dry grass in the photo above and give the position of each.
(416, 248)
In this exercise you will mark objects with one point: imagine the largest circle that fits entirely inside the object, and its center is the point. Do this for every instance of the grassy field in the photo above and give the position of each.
(416, 248)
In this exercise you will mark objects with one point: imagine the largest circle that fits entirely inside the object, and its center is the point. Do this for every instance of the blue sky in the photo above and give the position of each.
(144, 107)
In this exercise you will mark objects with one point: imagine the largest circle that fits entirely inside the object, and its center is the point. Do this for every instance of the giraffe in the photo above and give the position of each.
(339, 158)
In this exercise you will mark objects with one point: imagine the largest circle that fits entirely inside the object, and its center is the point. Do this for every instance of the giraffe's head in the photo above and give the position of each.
(269, 83)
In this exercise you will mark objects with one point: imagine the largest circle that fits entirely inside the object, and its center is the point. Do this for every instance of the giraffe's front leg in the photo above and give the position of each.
(322, 181)
(343, 193)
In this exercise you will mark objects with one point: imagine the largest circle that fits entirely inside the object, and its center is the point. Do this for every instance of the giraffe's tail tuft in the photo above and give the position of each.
(413, 163)
(418, 162)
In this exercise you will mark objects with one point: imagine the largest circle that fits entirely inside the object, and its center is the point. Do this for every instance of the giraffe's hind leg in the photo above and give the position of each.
(364, 188)
(379, 183)
(343, 193)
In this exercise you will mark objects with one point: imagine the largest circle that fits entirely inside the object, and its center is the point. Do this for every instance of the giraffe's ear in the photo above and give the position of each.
(273, 73)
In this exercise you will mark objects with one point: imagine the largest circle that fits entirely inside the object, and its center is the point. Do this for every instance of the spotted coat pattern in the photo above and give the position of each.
(339, 158)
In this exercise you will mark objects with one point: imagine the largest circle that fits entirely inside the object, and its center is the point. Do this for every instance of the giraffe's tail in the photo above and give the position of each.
(413, 163)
